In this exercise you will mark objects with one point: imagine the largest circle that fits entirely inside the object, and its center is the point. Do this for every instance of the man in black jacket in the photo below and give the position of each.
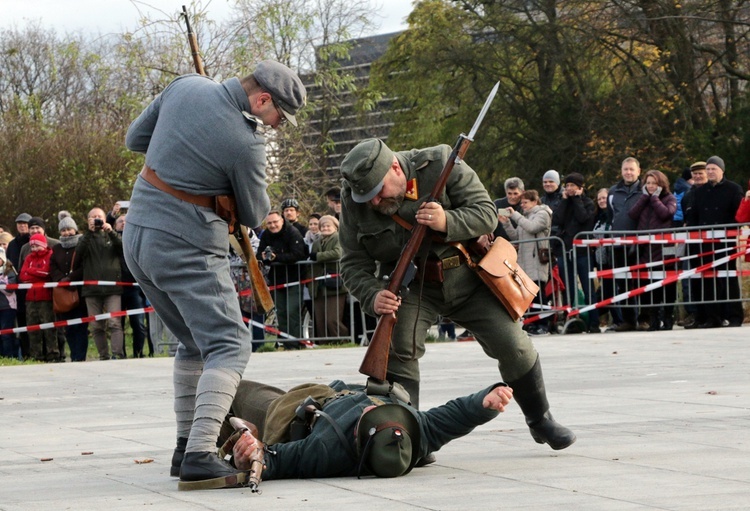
(576, 214)
(281, 247)
(716, 203)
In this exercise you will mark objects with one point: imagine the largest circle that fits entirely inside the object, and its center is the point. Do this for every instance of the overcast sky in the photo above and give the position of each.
(105, 16)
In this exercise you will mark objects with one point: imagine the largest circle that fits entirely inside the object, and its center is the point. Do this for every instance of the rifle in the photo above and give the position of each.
(193, 42)
(261, 293)
(375, 363)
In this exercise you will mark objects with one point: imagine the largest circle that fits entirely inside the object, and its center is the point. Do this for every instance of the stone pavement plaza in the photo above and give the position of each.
(663, 423)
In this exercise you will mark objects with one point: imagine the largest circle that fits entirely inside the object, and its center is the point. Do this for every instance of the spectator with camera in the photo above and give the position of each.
(281, 247)
(99, 252)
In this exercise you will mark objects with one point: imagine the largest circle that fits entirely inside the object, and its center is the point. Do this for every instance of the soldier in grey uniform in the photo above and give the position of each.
(201, 139)
(379, 183)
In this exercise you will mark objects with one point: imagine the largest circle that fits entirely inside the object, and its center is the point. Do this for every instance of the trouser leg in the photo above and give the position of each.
(95, 306)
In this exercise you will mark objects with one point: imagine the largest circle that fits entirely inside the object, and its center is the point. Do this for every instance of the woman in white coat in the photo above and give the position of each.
(534, 223)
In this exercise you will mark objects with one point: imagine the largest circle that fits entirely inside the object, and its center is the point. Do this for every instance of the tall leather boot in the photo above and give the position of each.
(530, 395)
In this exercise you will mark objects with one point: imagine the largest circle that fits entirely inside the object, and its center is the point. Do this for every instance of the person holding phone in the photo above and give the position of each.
(98, 254)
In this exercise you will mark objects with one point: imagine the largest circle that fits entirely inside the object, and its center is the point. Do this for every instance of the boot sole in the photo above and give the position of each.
(237, 480)
(557, 447)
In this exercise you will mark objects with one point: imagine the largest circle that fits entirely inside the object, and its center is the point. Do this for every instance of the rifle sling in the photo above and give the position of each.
(436, 238)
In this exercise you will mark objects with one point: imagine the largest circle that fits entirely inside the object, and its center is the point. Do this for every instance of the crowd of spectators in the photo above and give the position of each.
(543, 226)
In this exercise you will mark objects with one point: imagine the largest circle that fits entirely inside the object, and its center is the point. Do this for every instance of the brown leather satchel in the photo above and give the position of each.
(65, 299)
(499, 270)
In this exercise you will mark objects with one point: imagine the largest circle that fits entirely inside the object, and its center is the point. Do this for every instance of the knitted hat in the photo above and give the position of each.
(552, 175)
(686, 174)
(716, 161)
(38, 221)
(66, 221)
(39, 240)
(575, 178)
(6, 237)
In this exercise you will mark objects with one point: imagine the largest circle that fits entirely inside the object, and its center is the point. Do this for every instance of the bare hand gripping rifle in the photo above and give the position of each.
(261, 293)
(375, 363)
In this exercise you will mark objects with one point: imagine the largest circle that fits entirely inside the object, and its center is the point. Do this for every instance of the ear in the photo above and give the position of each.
(259, 99)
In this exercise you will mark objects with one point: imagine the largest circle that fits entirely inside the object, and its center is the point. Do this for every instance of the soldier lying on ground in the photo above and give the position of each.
(351, 433)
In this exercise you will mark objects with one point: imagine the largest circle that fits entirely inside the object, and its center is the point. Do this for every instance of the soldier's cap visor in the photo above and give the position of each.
(365, 168)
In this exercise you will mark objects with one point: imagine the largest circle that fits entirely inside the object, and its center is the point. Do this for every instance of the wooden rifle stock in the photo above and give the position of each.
(261, 293)
(193, 42)
(375, 363)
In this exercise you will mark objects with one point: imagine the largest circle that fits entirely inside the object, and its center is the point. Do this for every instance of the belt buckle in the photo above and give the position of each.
(451, 262)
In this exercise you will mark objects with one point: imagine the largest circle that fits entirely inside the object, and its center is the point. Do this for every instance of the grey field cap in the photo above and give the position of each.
(365, 167)
(284, 85)
(23, 218)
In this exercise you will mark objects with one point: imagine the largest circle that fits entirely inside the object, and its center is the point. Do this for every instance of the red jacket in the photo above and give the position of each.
(36, 269)
(743, 213)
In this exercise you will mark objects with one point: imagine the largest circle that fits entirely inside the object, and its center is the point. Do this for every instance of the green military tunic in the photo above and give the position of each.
(372, 243)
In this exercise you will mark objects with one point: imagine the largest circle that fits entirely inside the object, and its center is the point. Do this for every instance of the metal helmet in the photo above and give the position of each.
(290, 203)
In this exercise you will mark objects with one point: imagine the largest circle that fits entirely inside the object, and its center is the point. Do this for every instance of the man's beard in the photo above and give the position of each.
(388, 206)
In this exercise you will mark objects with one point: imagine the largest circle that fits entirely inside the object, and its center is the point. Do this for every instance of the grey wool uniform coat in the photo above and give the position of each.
(372, 243)
(198, 137)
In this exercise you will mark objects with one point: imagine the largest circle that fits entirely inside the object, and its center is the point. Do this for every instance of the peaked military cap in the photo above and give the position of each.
(365, 167)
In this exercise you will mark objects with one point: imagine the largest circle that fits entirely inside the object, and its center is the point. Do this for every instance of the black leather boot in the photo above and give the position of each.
(205, 470)
(177, 455)
(530, 395)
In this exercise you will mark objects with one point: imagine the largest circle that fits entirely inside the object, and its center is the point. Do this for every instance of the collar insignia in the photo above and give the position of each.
(412, 193)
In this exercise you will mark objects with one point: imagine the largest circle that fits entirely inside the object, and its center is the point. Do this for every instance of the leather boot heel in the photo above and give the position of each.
(177, 456)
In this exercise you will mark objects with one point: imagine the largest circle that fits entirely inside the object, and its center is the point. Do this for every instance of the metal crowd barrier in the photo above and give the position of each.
(650, 273)
(312, 305)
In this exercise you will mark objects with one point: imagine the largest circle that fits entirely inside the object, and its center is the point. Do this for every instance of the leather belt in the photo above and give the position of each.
(207, 201)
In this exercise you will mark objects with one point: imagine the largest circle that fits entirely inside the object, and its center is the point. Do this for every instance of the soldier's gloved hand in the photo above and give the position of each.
(498, 398)
(246, 449)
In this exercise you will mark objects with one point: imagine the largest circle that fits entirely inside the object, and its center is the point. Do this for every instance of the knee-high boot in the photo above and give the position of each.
(529, 393)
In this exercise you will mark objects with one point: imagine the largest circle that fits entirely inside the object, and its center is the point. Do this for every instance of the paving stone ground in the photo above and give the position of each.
(663, 423)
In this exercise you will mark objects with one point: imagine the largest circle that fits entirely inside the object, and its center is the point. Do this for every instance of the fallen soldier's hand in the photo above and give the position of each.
(246, 449)
(498, 398)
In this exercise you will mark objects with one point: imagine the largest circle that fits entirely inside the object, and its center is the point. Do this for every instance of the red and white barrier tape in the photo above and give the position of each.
(707, 236)
(76, 321)
(656, 285)
(31, 285)
(613, 272)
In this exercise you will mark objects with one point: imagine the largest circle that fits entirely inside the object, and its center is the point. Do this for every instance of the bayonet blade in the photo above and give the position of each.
(483, 112)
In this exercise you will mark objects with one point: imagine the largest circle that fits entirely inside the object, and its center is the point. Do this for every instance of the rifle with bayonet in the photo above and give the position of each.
(375, 363)
(261, 293)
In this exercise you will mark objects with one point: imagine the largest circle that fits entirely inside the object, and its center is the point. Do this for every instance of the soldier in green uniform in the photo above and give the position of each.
(354, 433)
(379, 187)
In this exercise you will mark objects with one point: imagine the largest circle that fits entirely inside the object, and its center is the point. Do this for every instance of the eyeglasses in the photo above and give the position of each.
(282, 117)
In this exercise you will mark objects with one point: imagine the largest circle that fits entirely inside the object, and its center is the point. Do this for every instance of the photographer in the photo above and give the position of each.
(281, 247)
(99, 252)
